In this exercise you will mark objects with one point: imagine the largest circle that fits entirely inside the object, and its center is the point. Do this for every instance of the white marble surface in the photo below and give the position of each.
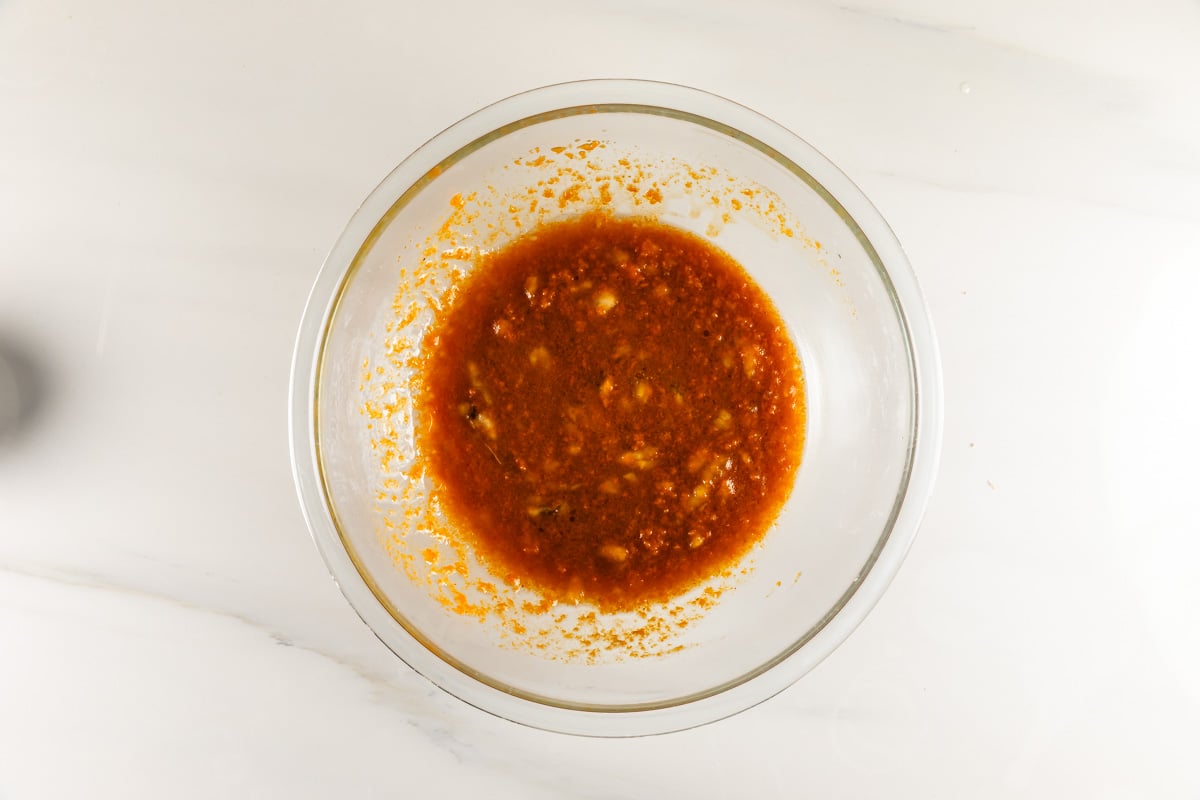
(171, 176)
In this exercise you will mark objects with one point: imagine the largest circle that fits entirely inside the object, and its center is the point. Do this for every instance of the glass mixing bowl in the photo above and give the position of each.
(809, 238)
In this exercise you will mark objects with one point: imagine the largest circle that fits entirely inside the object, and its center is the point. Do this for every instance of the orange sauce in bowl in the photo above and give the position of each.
(612, 409)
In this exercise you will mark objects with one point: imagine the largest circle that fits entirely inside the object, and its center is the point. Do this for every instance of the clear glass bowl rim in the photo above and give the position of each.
(808, 164)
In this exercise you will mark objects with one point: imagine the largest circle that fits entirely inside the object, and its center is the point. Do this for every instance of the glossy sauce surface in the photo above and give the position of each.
(612, 411)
